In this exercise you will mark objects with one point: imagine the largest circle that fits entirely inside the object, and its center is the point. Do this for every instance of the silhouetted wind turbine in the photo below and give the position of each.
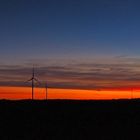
(46, 86)
(33, 79)
(132, 93)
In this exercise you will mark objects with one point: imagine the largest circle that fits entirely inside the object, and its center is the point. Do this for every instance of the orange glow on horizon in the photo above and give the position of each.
(25, 93)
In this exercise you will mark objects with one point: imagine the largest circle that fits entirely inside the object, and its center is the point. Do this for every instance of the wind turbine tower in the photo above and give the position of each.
(46, 86)
(132, 93)
(33, 79)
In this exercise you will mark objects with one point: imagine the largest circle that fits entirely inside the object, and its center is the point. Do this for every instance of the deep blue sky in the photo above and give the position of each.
(32, 29)
(76, 43)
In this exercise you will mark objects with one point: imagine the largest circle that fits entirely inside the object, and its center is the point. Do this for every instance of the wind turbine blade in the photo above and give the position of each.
(37, 80)
(33, 72)
(29, 80)
(46, 85)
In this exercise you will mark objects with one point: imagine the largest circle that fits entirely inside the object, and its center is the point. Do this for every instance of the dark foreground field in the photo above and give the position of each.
(69, 120)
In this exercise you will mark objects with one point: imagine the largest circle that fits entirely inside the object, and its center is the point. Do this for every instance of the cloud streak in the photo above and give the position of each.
(75, 75)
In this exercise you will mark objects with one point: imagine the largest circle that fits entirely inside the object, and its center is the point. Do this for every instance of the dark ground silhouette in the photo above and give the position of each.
(69, 120)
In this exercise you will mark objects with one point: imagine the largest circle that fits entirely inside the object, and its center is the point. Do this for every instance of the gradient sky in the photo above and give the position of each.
(74, 44)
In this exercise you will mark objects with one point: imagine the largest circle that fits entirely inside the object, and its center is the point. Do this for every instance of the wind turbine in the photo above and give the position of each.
(46, 86)
(33, 79)
(132, 93)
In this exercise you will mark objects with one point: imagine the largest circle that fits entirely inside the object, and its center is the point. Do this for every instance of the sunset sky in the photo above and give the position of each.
(84, 49)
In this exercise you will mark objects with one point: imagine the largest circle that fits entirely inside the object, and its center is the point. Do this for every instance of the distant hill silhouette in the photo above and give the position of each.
(69, 120)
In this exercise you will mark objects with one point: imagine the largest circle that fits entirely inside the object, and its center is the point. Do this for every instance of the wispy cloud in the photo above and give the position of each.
(82, 75)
